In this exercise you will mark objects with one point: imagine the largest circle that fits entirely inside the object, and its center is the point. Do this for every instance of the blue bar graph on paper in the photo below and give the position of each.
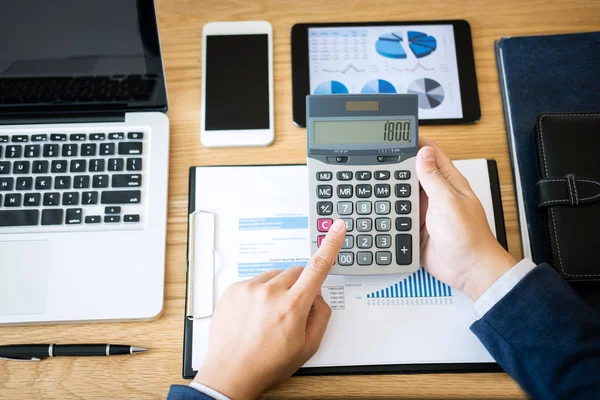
(417, 285)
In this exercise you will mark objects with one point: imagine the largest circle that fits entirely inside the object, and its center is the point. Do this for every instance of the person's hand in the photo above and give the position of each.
(457, 245)
(265, 328)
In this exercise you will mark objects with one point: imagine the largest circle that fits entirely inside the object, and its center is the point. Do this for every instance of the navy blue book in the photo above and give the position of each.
(542, 74)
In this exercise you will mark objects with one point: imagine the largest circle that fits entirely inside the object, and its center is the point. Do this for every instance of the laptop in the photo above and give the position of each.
(84, 144)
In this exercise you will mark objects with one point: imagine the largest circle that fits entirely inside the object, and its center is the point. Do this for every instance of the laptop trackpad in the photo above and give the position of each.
(24, 277)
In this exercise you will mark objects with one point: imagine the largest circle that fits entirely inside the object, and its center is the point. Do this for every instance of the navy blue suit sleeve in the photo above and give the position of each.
(545, 337)
(180, 392)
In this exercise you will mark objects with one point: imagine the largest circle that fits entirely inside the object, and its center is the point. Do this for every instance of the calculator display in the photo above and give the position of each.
(385, 131)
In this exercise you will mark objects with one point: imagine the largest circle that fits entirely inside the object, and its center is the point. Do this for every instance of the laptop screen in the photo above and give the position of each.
(80, 53)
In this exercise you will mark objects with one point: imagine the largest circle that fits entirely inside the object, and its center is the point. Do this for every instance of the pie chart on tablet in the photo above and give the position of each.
(331, 87)
(430, 93)
(378, 86)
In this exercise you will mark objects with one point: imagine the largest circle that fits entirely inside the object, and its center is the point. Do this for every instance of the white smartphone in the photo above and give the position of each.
(237, 84)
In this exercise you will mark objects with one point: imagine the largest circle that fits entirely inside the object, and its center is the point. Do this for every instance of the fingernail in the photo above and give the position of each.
(338, 226)
(427, 154)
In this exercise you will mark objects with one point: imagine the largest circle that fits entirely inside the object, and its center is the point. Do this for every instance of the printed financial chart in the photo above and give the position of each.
(388, 59)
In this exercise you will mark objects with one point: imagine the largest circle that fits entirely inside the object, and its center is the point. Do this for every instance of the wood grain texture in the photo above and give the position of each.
(148, 376)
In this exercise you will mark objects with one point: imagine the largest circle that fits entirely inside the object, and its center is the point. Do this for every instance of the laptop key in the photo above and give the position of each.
(92, 219)
(135, 135)
(88, 149)
(107, 149)
(78, 165)
(116, 164)
(89, 198)
(59, 166)
(50, 150)
(70, 199)
(40, 167)
(4, 167)
(19, 217)
(130, 148)
(20, 139)
(73, 216)
(39, 138)
(58, 137)
(112, 210)
(24, 183)
(131, 218)
(134, 164)
(52, 217)
(112, 218)
(77, 137)
(122, 181)
(32, 150)
(121, 197)
(43, 182)
(100, 181)
(81, 182)
(32, 200)
(7, 184)
(69, 150)
(14, 151)
(62, 182)
(51, 199)
(21, 167)
(97, 165)
(3, 139)
(97, 136)
(12, 200)
(116, 136)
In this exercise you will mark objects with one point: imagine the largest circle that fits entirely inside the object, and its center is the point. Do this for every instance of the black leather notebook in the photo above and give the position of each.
(567, 149)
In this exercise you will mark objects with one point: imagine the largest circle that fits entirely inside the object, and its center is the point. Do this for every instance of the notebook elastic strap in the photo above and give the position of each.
(570, 191)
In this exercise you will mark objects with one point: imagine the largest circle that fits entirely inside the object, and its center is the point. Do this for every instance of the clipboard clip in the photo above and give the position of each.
(200, 265)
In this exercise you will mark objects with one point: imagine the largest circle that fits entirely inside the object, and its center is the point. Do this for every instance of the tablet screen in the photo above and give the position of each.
(419, 59)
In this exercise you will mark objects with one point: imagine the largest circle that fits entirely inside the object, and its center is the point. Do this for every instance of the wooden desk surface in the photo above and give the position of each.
(180, 21)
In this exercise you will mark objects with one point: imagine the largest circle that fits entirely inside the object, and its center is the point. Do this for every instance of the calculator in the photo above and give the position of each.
(361, 168)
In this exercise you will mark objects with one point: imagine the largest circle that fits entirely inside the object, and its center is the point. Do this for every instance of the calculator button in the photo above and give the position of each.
(341, 159)
(364, 258)
(344, 208)
(383, 258)
(324, 208)
(382, 207)
(382, 190)
(383, 224)
(363, 175)
(364, 241)
(319, 240)
(383, 241)
(403, 224)
(403, 249)
(346, 259)
(402, 190)
(324, 191)
(364, 224)
(348, 242)
(363, 191)
(363, 207)
(349, 224)
(324, 176)
(382, 175)
(323, 224)
(344, 175)
(402, 175)
(402, 207)
(344, 191)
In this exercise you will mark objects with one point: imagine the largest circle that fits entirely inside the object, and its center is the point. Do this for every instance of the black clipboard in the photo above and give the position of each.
(188, 327)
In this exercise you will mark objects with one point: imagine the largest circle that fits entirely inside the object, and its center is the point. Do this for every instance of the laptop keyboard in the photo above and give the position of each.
(72, 181)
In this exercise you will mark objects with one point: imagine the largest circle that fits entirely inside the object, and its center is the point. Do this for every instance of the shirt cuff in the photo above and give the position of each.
(502, 286)
(208, 391)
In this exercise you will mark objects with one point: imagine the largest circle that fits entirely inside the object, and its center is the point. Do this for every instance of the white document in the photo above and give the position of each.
(261, 223)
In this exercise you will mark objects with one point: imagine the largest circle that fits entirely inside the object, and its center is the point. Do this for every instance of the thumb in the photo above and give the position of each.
(432, 180)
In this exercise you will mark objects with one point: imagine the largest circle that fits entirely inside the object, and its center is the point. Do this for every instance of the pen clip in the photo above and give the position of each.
(21, 358)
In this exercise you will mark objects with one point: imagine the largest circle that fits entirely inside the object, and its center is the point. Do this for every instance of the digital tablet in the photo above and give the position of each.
(433, 59)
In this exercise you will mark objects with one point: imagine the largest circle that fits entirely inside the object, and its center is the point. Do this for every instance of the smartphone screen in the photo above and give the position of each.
(237, 82)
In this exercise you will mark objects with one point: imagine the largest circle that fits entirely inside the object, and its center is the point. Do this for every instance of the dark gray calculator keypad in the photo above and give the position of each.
(367, 201)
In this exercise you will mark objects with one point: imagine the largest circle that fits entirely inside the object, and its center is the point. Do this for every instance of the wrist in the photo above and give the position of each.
(487, 271)
(231, 385)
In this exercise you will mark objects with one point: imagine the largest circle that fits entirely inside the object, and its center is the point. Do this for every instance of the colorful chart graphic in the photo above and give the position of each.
(331, 87)
(378, 86)
(390, 46)
(419, 284)
(430, 93)
(421, 44)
